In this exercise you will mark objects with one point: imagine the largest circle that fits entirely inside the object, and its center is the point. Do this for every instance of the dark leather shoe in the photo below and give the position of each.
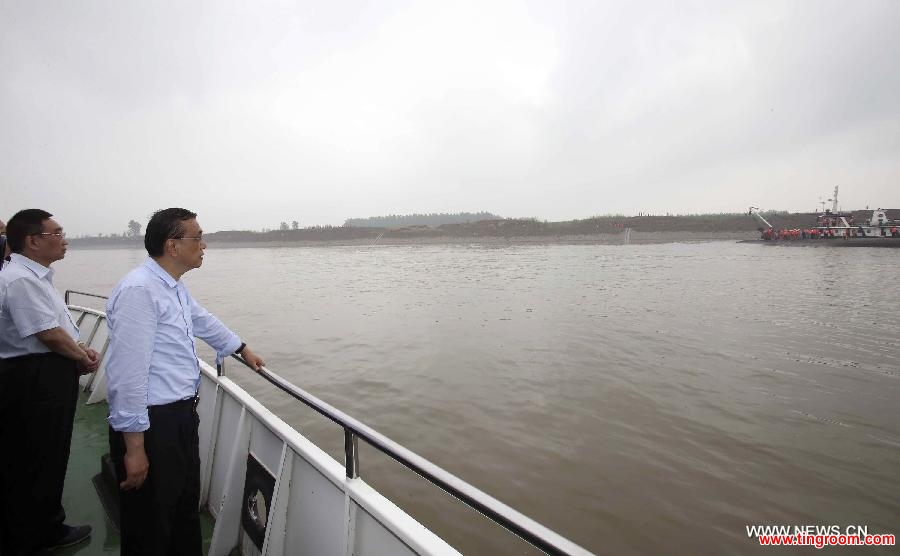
(71, 535)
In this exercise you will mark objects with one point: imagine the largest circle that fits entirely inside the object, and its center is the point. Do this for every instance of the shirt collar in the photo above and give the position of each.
(37, 268)
(154, 267)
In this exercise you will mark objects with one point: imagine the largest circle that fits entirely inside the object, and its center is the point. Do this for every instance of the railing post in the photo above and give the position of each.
(351, 454)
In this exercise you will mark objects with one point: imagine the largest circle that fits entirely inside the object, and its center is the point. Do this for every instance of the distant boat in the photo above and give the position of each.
(834, 229)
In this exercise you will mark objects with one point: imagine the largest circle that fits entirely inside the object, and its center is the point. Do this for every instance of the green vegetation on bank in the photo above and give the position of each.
(432, 219)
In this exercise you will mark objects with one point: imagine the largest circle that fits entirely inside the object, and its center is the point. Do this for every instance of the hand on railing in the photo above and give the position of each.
(252, 360)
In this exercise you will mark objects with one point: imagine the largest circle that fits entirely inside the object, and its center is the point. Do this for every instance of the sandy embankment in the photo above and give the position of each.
(635, 238)
(595, 239)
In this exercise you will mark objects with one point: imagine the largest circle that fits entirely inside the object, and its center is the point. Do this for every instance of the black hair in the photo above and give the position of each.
(164, 225)
(24, 223)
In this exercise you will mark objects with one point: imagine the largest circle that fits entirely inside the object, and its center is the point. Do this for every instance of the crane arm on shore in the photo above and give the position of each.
(755, 212)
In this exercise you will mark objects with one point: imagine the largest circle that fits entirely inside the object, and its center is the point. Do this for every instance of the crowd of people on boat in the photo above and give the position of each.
(790, 234)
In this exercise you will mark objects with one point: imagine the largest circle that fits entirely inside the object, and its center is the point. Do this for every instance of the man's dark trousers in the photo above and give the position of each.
(38, 395)
(162, 517)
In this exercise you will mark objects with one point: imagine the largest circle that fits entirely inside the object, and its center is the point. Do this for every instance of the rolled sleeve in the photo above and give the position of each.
(30, 308)
(132, 329)
(123, 421)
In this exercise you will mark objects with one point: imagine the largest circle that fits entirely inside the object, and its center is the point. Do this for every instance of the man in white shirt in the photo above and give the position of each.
(152, 378)
(40, 360)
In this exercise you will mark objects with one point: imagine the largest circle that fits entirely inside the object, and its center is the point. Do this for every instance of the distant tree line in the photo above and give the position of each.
(431, 219)
(294, 226)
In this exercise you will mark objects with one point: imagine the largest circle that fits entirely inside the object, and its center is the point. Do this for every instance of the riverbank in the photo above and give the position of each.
(633, 237)
(567, 239)
(603, 230)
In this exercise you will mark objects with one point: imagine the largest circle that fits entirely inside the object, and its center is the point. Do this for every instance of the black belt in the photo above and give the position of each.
(186, 403)
(12, 362)
(29, 357)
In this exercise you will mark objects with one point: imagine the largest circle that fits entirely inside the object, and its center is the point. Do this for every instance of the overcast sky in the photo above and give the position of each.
(252, 113)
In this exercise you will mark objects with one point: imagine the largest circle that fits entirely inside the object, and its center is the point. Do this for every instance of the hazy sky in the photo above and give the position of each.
(251, 113)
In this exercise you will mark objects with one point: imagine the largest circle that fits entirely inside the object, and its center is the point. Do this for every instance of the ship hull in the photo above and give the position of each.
(831, 242)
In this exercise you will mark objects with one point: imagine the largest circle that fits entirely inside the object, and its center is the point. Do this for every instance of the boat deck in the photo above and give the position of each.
(89, 443)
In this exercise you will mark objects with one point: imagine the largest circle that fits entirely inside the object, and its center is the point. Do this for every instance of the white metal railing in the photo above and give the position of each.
(519, 524)
(529, 530)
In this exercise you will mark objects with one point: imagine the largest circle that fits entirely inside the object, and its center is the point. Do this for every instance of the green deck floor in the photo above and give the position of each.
(89, 442)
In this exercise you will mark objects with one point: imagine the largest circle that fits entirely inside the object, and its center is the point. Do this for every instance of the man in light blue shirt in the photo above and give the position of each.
(152, 377)
(40, 360)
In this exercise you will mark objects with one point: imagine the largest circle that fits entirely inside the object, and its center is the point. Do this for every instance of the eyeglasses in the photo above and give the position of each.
(61, 235)
(198, 238)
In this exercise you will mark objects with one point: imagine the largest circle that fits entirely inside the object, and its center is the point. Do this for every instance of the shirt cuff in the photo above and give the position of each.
(230, 347)
(125, 421)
